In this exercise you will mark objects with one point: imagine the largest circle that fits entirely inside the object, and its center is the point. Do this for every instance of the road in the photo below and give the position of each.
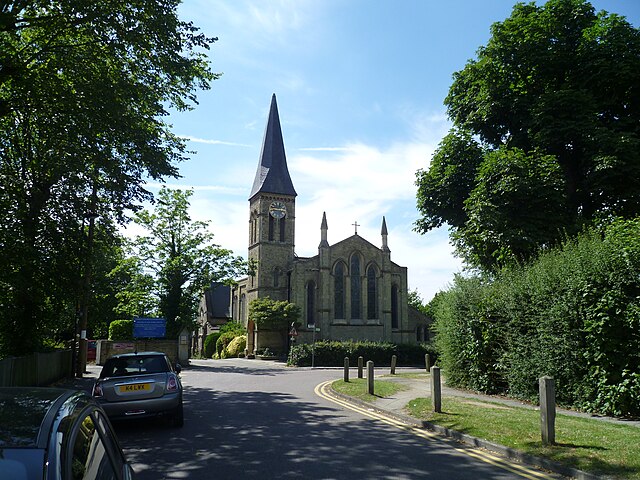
(255, 419)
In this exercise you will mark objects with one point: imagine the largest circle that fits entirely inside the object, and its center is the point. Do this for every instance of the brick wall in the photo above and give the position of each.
(108, 348)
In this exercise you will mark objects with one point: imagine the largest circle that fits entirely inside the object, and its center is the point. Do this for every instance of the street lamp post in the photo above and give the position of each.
(86, 290)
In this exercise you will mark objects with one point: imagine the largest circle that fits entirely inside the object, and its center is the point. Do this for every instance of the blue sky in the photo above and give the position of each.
(360, 86)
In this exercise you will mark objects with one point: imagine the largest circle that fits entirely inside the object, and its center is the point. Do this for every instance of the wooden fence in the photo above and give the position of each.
(38, 369)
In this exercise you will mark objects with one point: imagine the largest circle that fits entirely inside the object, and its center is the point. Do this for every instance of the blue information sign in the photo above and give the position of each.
(144, 327)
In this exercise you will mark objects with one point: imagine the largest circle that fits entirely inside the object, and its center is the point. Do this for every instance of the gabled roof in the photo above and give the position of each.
(217, 300)
(353, 239)
(272, 175)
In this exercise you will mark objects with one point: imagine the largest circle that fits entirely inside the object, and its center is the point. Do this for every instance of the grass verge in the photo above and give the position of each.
(587, 444)
(357, 388)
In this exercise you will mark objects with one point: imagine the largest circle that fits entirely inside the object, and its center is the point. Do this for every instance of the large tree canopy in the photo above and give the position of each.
(182, 258)
(546, 134)
(84, 87)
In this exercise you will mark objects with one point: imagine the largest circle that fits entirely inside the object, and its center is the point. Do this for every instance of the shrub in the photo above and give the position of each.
(332, 353)
(235, 347)
(121, 330)
(223, 342)
(209, 347)
(235, 327)
(573, 314)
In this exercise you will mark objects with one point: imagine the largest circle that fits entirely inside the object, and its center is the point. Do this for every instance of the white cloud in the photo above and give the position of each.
(325, 149)
(213, 142)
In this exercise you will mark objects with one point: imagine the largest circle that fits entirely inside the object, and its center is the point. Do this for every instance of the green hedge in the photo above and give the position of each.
(573, 314)
(121, 330)
(331, 354)
(209, 348)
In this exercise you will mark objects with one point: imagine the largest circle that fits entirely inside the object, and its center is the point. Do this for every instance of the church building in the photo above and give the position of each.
(350, 290)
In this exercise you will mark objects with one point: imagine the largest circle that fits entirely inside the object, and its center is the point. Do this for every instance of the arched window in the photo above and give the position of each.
(243, 303)
(394, 306)
(372, 293)
(276, 277)
(339, 290)
(422, 333)
(356, 290)
(311, 304)
(282, 223)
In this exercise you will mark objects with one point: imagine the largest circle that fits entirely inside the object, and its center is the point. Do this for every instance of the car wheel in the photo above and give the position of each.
(177, 419)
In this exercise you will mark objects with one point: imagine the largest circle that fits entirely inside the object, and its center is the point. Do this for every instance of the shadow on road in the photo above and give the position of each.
(275, 435)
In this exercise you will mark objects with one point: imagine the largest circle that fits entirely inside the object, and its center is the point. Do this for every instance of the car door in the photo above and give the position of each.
(93, 452)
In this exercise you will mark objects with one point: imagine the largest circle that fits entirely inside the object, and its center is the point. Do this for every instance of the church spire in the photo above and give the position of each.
(272, 175)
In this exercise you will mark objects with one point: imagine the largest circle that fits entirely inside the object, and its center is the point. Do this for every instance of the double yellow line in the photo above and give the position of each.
(324, 390)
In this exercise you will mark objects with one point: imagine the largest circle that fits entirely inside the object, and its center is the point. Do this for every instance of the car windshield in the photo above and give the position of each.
(134, 365)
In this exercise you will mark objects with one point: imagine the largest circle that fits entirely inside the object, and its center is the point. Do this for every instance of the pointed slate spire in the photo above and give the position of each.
(272, 175)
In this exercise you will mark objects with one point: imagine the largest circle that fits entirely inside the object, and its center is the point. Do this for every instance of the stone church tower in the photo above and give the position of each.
(272, 207)
(350, 290)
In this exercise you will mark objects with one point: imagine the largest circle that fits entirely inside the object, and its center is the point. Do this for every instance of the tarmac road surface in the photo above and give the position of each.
(256, 419)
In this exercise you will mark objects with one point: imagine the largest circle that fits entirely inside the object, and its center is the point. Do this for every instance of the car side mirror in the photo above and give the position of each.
(178, 368)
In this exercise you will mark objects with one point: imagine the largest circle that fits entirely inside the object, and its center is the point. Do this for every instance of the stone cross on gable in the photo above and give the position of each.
(356, 224)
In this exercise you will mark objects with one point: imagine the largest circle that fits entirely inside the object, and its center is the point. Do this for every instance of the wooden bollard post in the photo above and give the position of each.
(360, 367)
(436, 392)
(548, 410)
(427, 362)
(346, 369)
(394, 361)
(370, 377)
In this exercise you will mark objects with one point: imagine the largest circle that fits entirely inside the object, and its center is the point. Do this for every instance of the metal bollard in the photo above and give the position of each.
(360, 366)
(394, 361)
(427, 362)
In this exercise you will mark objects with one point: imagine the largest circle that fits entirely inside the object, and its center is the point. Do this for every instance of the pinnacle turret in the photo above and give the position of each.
(384, 234)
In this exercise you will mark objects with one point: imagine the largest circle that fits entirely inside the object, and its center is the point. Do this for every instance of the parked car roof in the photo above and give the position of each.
(135, 354)
(50, 433)
(27, 413)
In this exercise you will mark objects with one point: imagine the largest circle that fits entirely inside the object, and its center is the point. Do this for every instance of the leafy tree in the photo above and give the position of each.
(273, 314)
(135, 292)
(181, 256)
(84, 87)
(277, 315)
(415, 300)
(546, 134)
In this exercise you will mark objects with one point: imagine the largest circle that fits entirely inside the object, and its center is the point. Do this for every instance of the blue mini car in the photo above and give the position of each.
(54, 434)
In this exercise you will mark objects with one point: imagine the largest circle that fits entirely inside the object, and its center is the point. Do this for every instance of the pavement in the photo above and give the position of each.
(85, 383)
